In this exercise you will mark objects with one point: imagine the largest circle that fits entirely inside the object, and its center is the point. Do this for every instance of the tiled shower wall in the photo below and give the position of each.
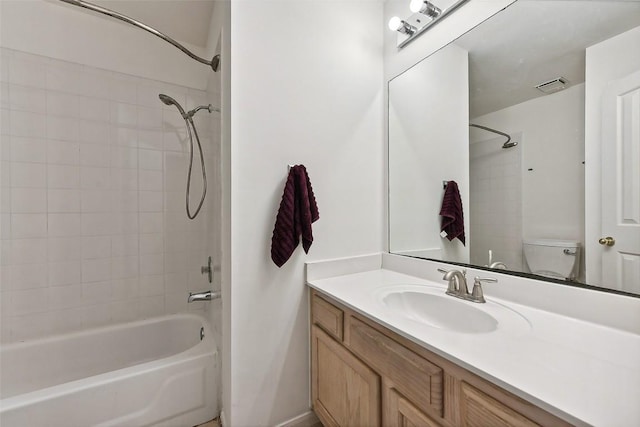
(92, 193)
(495, 177)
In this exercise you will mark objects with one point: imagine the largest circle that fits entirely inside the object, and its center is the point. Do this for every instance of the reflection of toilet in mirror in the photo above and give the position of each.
(556, 259)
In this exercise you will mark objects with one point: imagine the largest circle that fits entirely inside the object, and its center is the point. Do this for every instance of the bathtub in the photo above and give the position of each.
(155, 372)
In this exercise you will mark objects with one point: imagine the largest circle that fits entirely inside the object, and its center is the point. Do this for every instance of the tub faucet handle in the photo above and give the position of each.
(208, 270)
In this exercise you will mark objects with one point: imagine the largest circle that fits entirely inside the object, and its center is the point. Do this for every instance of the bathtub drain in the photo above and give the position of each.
(201, 334)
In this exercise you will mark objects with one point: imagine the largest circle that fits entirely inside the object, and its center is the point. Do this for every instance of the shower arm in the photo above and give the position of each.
(492, 130)
(213, 63)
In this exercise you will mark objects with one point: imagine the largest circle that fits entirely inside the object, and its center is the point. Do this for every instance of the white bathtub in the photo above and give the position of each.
(153, 372)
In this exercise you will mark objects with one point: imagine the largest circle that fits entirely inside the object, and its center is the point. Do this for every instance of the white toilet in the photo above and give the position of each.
(556, 259)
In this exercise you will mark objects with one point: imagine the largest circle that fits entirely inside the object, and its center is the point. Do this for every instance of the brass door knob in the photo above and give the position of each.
(607, 241)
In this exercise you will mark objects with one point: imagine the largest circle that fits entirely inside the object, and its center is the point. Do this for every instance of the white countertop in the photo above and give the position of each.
(583, 372)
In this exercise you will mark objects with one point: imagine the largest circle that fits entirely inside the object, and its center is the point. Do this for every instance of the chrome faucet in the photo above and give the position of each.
(458, 285)
(203, 296)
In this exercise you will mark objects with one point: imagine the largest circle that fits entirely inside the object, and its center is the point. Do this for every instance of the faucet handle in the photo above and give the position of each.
(477, 295)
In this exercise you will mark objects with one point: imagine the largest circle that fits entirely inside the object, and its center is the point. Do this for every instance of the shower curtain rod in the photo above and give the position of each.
(492, 130)
(214, 63)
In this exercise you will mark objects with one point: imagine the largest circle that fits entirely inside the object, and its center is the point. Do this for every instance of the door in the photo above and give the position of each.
(345, 392)
(621, 184)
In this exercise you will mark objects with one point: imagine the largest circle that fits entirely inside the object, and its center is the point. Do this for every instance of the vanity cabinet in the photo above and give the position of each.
(363, 374)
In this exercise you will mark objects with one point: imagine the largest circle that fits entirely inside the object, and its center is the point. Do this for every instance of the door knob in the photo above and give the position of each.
(607, 241)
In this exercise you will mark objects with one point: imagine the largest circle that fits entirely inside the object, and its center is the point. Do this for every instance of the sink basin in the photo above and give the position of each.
(430, 306)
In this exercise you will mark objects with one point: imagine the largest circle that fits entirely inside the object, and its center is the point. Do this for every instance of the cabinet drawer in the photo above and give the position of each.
(416, 378)
(327, 316)
(480, 409)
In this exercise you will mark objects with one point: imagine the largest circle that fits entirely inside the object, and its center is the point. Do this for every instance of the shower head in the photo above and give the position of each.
(170, 101)
(509, 144)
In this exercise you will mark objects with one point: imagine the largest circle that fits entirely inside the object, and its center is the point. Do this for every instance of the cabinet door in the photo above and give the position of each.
(478, 409)
(345, 391)
(399, 412)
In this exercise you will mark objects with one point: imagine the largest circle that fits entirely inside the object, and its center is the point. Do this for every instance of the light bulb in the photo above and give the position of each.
(395, 23)
(416, 5)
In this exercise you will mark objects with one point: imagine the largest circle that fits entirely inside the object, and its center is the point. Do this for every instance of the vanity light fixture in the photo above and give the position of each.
(403, 27)
(425, 7)
(409, 28)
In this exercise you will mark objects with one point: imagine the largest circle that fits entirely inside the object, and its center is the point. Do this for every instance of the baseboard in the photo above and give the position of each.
(308, 419)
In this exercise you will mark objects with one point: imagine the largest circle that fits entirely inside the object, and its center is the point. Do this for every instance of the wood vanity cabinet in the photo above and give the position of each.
(363, 374)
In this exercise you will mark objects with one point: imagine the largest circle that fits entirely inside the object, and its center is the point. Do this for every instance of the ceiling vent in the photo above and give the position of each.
(552, 86)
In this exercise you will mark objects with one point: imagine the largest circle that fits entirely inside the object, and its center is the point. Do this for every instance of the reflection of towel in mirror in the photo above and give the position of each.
(298, 209)
(451, 212)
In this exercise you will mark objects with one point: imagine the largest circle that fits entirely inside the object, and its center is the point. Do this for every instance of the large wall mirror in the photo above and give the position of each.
(535, 114)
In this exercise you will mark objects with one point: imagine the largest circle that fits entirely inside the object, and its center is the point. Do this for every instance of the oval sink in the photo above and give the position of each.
(443, 312)
(430, 306)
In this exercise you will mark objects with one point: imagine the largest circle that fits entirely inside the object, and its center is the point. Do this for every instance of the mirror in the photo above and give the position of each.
(531, 170)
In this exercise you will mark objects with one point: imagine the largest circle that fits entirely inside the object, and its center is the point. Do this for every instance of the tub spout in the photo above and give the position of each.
(203, 296)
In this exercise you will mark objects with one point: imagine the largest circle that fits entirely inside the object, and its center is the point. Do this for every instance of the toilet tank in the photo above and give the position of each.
(557, 259)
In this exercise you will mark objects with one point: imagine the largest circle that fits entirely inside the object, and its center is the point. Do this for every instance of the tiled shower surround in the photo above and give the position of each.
(92, 186)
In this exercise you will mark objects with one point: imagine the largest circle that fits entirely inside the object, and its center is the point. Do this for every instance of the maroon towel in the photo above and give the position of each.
(298, 209)
(451, 212)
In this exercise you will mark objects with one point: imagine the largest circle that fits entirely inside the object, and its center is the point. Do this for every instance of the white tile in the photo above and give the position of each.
(148, 94)
(150, 118)
(31, 150)
(24, 226)
(175, 242)
(26, 276)
(27, 99)
(97, 200)
(122, 245)
(63, 76)
(123, 136)
(175, 262)
(63, 152)
(175, 222)
(59, 176)
(29, 301)
(96, 315)
(97, 224)
(124, 157)
(28, 200)
(152, 264)
(63, 248)
(23, 123)
(67, 320)
(123, 89)
(63, 200)
(96, 292)
(27, 72)
(94, 155)
(151, 244)
(28, 175)
(151, 139)
(29, 327)
(123, 114)
(126, 222)
(151, 201)
(175, 303)
(64, 273)
(61, 297)
(93, 109)
(96, 270)
(90, 132)
(63, 128)
(124, 179)
(125, 201)
(151, 222)
(95, 83)
(151, 306)
(62, 104)
(124, 311)
(176, 140)
(150, 180)
(124, 267)
(64, 224)
(125, 288)
(28, 251)
(150, 159)
(94, 178)
(96, 247)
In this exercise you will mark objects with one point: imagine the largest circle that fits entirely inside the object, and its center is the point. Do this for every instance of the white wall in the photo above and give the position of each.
(307, 88)
(552, 147)
(622, 51)
(428, 116)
